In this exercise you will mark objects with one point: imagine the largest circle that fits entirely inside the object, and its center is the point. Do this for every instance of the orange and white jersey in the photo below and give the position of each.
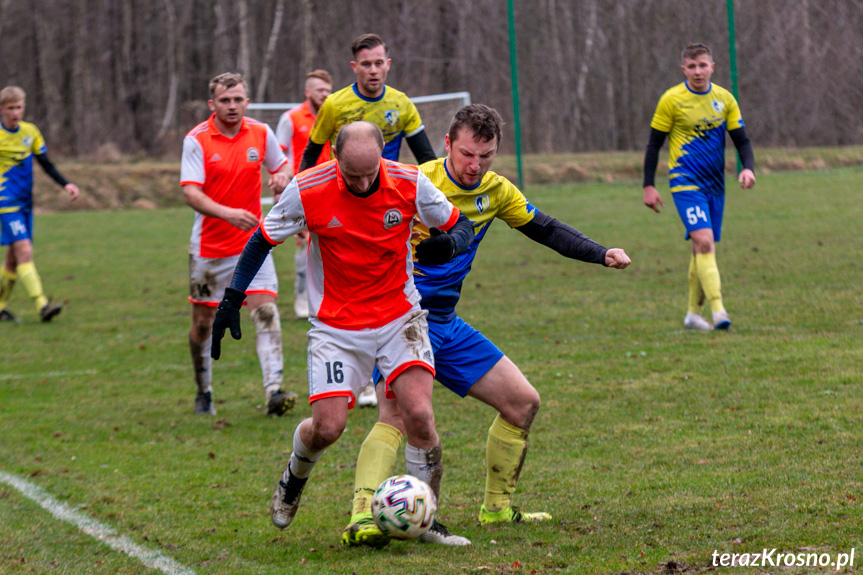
(293, 135)
(360, 270)
(229, 172)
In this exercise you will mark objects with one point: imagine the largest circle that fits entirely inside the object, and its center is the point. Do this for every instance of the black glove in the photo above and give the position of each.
(437, 249)
(227, 316)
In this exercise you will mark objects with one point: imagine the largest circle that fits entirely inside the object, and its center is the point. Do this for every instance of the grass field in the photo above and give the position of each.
(654, 446)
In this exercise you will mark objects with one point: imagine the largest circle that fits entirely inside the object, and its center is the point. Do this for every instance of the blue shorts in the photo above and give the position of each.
(462, 355)
(700, 211)
(16, 226)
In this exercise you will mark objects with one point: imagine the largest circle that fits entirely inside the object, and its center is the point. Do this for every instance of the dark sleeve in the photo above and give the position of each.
(462, 231)
(421, 147)
(51, 170)
(310, 156)
(651, 156)
(250, 261)
(744, 147)
(564, 239)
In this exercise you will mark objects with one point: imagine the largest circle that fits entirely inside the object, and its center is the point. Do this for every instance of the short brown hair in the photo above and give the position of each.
(693, 51)
(320, 75)
(367, 42)
(228, 80)
(482, 120)
(11, 94)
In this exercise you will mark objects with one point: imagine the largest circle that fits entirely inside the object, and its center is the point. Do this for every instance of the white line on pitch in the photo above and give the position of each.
(107, 535)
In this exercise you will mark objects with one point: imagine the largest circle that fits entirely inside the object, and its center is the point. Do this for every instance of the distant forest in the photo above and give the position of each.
(133, 73)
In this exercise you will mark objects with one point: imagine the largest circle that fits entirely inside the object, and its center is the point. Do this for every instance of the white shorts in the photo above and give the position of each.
(208, 278)
(341, 361)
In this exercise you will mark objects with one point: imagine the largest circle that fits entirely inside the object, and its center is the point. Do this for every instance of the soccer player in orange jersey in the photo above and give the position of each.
(221, 179)
(364, 305)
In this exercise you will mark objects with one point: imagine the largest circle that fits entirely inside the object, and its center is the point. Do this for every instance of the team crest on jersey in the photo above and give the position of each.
(27, 141)
(392, 117)
(392, 218)
(253, 155)
(718, 106)
(482, 203)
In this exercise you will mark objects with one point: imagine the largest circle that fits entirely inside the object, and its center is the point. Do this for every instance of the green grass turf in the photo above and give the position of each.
(654, 445)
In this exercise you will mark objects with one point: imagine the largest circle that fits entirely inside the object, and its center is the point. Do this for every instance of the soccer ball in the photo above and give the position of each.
(404, 507)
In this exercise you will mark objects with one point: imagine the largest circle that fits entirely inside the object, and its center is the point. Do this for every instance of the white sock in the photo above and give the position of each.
(268, 339)
(425, 464)
(303, 459)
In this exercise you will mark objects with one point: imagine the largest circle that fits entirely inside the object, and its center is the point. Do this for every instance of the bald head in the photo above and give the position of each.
(358, 149)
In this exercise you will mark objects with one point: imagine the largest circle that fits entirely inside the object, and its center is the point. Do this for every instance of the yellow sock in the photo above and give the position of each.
(696, 294)
(7, 282)
(374, 464)
(505, 451)
(32, 284)
(708, 275)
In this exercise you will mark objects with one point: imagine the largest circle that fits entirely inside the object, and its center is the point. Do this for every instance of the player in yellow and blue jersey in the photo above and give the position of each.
(371, 100)
(695, 115)
(20, 142)
(466, 362)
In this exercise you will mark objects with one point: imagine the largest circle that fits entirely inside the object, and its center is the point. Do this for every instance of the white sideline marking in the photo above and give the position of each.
(105, 534)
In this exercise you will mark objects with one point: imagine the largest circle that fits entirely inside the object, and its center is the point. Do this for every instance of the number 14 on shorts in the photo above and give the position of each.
(694, 214)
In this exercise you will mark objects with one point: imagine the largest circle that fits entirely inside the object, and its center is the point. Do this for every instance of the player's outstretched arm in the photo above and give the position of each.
(616, 258)
(562, 238)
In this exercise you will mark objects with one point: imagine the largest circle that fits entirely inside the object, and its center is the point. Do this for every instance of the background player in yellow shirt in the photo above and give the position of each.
(695, 115)
(20, 142)
(371, 100)
(466, 362)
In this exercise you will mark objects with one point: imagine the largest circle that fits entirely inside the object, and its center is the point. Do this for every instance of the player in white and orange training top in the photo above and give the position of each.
(221, 179)
(293, 135)
(364, 306)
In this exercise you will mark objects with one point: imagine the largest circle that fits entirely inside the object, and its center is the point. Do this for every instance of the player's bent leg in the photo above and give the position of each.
(375, 462)
(413, 391)
(506, 389)
(311, 437)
